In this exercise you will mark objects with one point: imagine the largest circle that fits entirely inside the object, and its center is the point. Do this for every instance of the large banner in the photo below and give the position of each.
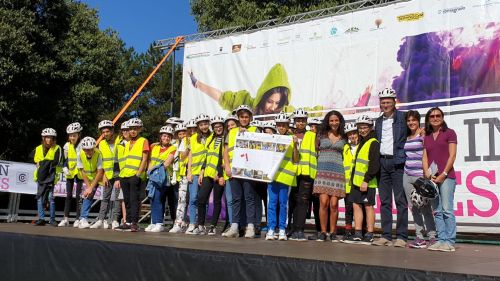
(258, 156)
(442, 53)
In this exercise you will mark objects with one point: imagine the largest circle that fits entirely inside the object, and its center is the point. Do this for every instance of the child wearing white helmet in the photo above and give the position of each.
(73, 176)
(48, 159)
(363, 181)
(89, 163)
(161, 154)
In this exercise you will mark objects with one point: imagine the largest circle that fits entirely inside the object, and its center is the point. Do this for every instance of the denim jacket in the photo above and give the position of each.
(399, 133)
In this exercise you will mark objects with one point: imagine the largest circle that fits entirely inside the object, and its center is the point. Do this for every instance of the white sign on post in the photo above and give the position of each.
(257, 156)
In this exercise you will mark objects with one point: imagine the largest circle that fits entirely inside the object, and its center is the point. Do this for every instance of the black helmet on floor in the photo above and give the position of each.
(426, 188)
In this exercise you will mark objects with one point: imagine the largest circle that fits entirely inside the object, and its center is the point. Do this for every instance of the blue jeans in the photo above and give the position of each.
(446, 224)
(87, 204)
(193, 199)
(277, 193)
(229, 202)
(52, 207)
(243, 192)
(158, 205)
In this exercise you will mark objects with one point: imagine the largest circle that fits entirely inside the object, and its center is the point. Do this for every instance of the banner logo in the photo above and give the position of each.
(22, 177)
(453, 10)
(411, 17)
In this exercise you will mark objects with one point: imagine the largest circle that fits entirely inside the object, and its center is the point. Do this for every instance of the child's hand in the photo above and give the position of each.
(364, 187)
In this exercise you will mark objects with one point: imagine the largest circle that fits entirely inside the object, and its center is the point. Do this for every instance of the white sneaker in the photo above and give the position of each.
(176, 229)
(232, 233)
(148, 229)
(105, 225)
(83, 224)
(97, 225)
(250, 232)
(270, 235)
(200, 230)
(76, 223)
(191, 229)
(157, 228)
(115, 224)
(282, 235)
(64, 222)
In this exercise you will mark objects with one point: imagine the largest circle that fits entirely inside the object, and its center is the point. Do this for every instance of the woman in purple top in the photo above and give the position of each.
(440, 148)
(414, 150)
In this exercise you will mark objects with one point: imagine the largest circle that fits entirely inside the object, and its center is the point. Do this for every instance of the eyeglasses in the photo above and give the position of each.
(218, 127)
(435, 116)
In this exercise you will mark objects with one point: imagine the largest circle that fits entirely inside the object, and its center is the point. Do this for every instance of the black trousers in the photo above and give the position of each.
(172, 200)
(70, 183)
(304, 192)
(131, 188)
(207, 185)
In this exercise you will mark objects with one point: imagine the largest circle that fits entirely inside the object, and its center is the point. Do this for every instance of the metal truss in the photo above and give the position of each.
(312, 15)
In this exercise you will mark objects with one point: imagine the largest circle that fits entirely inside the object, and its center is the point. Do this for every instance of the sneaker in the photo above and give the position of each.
(149, 227)
(294, 236)
(257, 232)
(354, 239)
(451, 248)
(347, 236)
(40, 222)
(175, 229)
(190, 229)
(53, 223)
(76, 223)
(445, 247)
(400, 243)
(124, 227)
(314, 237)
(270, 235)
(382, 242)
(157, 228)
(212, 230)
(436, 246)
(232, 233)
(115, 225)
(334, 238)
(367, 240)
(83, 224)
(105, 225)
(97, 225)
(432, 241)
(417, 244)
(63, 223)
(282, 235)
(301, 237)
(134, 227)
(200, 230)
(250, 232)
(321, 237)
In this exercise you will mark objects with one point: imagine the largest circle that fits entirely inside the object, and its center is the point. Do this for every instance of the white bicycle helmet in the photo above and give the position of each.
(387, 93)
(269, 124)
(300, 113)
(105, 124)
(88, 143)
(418, 200)
(364, 119)
(180, 127)
(171, 121)
(135, 122)
(167, 130)
(256, 123)
(124, 125)
(231, 117)
(74, 128)
(49, 132)
(243, 107)
(282, 117)
(314, 121)
(216, 119)
(202, 117)
(292, 123)
(191, 124)
(350, 127)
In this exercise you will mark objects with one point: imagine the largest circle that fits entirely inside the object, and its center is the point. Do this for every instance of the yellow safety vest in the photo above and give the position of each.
(90, 165)
(198, 153)
(120, 156)
(212, 158)
(133, 158)
(231, 142)
(108, 157)
(287, 171)
(308, 163)
(157, 157)
(182, 163)
(348, 160)
(51, 153)
(73, 171)
(361, 165)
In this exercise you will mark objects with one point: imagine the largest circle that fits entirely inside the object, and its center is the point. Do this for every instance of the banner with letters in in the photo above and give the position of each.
(442, 53)
(257, 156)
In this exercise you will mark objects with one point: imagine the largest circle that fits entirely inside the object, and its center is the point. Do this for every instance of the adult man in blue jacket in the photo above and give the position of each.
(391, 132)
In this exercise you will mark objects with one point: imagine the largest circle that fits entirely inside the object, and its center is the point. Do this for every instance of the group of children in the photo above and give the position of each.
(192, 160)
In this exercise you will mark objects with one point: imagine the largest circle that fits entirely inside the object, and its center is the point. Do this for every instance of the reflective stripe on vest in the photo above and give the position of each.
(51, 153)
(212, 159)
(108, 157)
(182, 164)
(72, 155)
(361, 165)
(157, 157)
(198, 153)
(348, 160)
(287, 171)
(308, 163)
(133, 158)
(90, 165)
